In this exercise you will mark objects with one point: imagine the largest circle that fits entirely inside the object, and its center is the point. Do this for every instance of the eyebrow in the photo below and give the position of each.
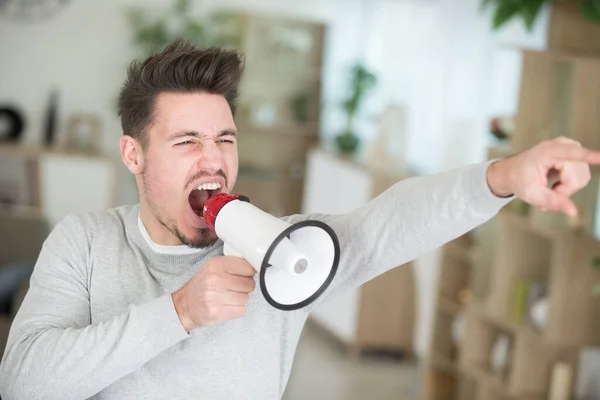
(182, 134)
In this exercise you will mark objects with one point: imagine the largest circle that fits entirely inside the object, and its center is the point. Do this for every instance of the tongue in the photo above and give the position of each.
(197, 199)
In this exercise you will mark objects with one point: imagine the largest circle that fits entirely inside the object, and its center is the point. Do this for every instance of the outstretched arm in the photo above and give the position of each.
(418, 215)
(54, 352)
(412, 217)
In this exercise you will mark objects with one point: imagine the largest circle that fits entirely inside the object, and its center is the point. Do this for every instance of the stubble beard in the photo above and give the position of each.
(203, 238)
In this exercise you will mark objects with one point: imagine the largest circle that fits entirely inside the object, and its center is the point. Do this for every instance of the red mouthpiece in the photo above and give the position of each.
(213, 205)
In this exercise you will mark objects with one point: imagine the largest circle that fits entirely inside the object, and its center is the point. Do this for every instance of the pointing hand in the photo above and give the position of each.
(527, 175)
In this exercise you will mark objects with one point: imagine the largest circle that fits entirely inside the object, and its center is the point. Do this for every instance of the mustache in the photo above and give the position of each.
(204, 174)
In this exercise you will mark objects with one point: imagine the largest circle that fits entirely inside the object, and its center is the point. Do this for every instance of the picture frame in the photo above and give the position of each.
(83, 133)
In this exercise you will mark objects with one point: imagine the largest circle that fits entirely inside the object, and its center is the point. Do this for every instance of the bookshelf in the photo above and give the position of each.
(464, 365)
(515, 309)
(279, 108)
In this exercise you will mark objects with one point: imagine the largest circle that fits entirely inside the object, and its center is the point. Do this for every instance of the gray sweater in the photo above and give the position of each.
(99, 322)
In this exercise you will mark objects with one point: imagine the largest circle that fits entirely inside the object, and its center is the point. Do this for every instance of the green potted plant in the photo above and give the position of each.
(362, 81)
(152, 35)
(529, 10)
(301, 107)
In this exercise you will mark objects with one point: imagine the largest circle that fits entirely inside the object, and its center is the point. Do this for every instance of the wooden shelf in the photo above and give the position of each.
(456, 271)
(449, 306)
(556, 53)
(267, 72)
(308, 130)
(21, 211)
(524, 224)
(443, 341)
(460, 253)
(484, 377)
(560, 260)
(500, 323)
(443, 363)
(441, 384)
(28, 151)
(515, 248)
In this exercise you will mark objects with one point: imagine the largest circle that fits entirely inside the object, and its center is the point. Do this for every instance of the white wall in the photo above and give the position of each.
(82, 51)
(437, 57)
(85, 49)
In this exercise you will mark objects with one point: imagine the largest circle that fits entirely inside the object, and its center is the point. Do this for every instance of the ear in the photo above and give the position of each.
(132, 154)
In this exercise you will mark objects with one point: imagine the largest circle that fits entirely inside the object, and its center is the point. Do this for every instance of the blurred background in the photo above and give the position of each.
(340, 99)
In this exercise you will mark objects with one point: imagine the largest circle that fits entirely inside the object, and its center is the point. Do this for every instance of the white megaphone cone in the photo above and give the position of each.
(296, 262)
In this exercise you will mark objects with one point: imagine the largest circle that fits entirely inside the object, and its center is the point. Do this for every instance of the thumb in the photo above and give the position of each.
(557, 201)
(563, 188)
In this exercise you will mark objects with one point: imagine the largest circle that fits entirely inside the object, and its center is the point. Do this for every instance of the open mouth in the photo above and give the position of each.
(198, 196)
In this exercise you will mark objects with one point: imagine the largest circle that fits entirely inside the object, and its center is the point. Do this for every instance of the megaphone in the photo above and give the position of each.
(296, 262)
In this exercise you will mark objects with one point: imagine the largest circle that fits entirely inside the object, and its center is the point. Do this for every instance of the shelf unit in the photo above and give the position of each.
(558, 96)
(487, 343)
(53, 182)
(460, 365)
(380, 315)
(283, 60)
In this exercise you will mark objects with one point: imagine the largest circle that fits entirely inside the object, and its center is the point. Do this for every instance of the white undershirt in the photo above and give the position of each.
(162, 249)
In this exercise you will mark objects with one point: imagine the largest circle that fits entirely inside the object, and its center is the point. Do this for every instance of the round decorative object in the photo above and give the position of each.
(11, 124)
(31, 10)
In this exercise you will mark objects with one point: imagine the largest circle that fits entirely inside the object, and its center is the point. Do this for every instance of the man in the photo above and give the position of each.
(139, 301)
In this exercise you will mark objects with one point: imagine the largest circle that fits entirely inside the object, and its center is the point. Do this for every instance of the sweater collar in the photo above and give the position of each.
(162, 249)
(167, 258)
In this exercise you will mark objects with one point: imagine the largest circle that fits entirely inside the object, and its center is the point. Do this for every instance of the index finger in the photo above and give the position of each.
(572, 152)
(239, 266)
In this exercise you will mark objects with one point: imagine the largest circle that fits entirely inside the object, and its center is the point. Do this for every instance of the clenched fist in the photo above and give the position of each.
(527, 175)
(218, 292)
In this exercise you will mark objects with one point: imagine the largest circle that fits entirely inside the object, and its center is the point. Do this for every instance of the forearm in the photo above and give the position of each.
(426, 212)
(76, 363)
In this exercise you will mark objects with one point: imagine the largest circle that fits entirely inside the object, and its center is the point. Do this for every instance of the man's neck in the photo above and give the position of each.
(157, 231)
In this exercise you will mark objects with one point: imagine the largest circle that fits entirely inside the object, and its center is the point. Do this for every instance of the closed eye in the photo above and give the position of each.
(225, 141)
(183, 143)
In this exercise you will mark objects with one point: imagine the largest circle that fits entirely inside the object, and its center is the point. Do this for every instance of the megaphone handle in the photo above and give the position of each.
(229, 250)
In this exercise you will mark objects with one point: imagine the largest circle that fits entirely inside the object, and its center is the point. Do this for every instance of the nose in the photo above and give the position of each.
(211, 157)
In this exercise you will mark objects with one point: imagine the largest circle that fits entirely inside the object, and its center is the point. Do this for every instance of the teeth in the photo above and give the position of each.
(209, 186)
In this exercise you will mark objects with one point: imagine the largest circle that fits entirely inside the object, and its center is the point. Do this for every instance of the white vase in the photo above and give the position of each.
(500, 353)
(539, 313)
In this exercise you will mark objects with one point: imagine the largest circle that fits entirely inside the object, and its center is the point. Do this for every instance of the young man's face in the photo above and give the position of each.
(191, 144)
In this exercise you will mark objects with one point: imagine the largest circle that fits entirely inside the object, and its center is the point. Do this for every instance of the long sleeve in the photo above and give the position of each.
(412, 217)
(54, 352)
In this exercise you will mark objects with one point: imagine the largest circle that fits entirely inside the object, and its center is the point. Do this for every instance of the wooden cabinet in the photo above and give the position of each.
(54, 183)
(380, 315)
(486, 331)
(278, 117)
(517, 289)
